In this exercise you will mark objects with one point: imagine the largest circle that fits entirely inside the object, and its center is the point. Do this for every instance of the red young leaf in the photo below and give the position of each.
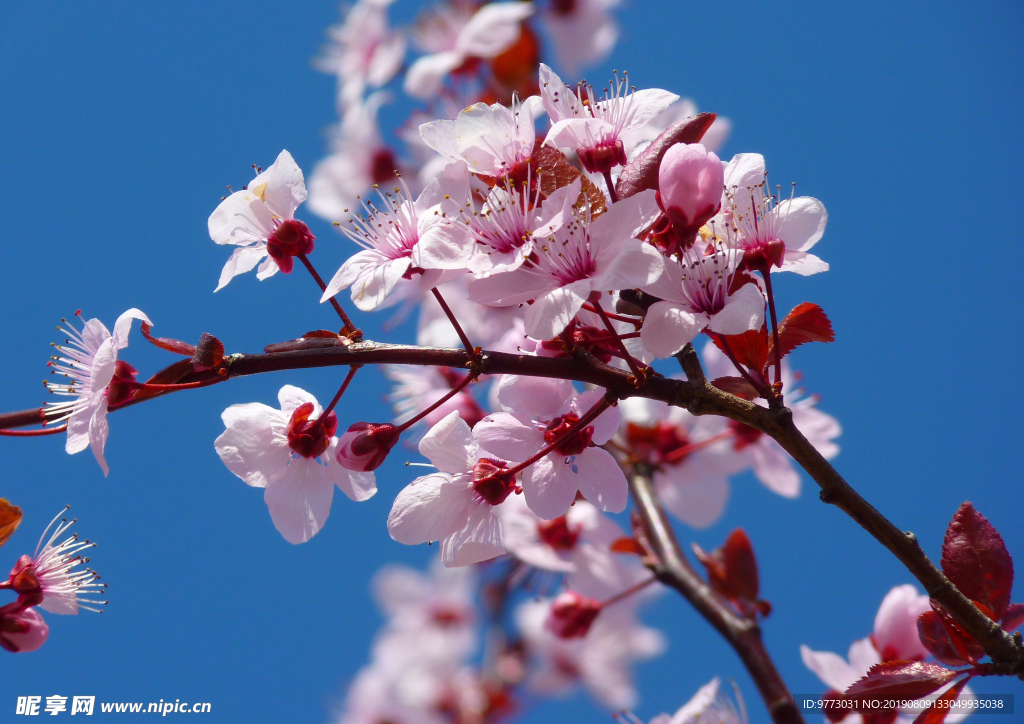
(628, 545)
(806, 323)
(10, 519)
(975, 559)
(209, 353)
(732, 571)
(1014, 616)
(736, 386)
(964, 644)
(901, 680)
(326, 333)
(934, 637)
(642, 172)
(553, 171)
(749, 348)
(171, 374)
(171, 345)
(937, 712)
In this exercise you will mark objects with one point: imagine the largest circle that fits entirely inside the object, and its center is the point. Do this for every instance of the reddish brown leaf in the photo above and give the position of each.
(901, 680)
(553, 171)
(937, 712)
(975, 559)
(171, 345)
(963, 643)
(171, 374)
(736, 386)
(732, 571)
(325, 333)
(749, 348)
(1014, 616)
(934, 637)
(806, 323)
(10, 519)
(209, 353)
(642, 172)
(628, 545)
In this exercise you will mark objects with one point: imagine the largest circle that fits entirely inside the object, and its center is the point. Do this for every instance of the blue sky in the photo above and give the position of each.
(122, 123)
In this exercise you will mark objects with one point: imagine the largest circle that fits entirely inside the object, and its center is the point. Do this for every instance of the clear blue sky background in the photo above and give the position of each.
(121, 123)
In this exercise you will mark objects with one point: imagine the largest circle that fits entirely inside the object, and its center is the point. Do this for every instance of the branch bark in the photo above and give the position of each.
(673, 569)
(695, 394)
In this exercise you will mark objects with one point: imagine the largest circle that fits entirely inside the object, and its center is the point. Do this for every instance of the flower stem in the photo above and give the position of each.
(341, 391)
(622, 347)
(35, 433)
(449, 395)
(629, 592)
(455, 323)
(767, 276)
(350, 328)
(611, 186)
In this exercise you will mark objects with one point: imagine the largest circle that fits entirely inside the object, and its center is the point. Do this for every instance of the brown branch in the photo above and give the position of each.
(672, 568)
(695, 394)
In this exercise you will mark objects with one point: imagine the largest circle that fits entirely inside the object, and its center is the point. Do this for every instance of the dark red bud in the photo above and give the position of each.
(290, 239)
(572, 615)
(490, 482)
(310, 438)
(123, 384)
(557, 533)
(573, 444)
(366, 445)
(21, 629)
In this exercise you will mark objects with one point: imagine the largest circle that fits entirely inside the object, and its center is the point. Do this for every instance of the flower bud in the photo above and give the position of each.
(310, 438)
(290, 239)
(21, 629)
(690, 185)
(366, 444)
(572, 615)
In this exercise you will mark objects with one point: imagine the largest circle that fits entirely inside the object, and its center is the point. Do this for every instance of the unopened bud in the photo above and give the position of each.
(290, 239)
(310, 438)
(21, 629)
(690, 184)
(366, 444)
(572, 615)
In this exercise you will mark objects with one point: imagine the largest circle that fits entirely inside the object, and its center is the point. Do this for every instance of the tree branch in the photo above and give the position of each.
(673, 569)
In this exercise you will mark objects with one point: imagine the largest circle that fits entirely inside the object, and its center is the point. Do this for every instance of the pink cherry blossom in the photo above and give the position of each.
(773, 232)
(298, 490)
(895, 635)
(257, 216)
(455, 505)
(708, 706)
(363, 52)
(583, 32)
(600, 661)
(699, 291)
(22, 629)
(405, 240)
(690, 183)
(577, 263)
(493, 140)
(592, 126)
(359, 158)
(88, 358)
(691, 457)
(458, 31)
(544, 409)
(52, 578)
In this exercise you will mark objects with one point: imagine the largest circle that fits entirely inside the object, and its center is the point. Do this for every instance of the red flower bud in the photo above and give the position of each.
(290, 239)
(572, 615)
(310, 438)
(21, 629)
(366, 444)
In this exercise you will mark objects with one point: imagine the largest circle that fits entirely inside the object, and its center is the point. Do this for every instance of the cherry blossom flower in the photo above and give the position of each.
(577, 263)
(771, 464)
(403, 239)
(22, 629)
(708, 706)
(290, 454)
(700, 291)
(543, 410)
(895, 638)
(773, 233)
(359, 159)
(691, 457)
(260, 221)
(457, 32)
(455, 505)
(88, 358)
(582, 31)
(592, 126)
(52, 578)
(690, 183)
(363, 52)
(493, 140)
(600, 661)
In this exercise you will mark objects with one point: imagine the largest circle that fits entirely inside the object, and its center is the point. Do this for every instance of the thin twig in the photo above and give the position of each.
(349, 327)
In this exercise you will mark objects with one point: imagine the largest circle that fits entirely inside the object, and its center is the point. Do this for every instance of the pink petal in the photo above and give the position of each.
(300, 501)
(601, 480)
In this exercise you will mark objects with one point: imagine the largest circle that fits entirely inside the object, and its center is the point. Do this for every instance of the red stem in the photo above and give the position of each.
(622, 347)
(629, 592)
(454, 391)
(35, 433)
(617, 317)
(341, 391)
(451, 317)
(767, 276)
(349, 327)
(611, 186)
